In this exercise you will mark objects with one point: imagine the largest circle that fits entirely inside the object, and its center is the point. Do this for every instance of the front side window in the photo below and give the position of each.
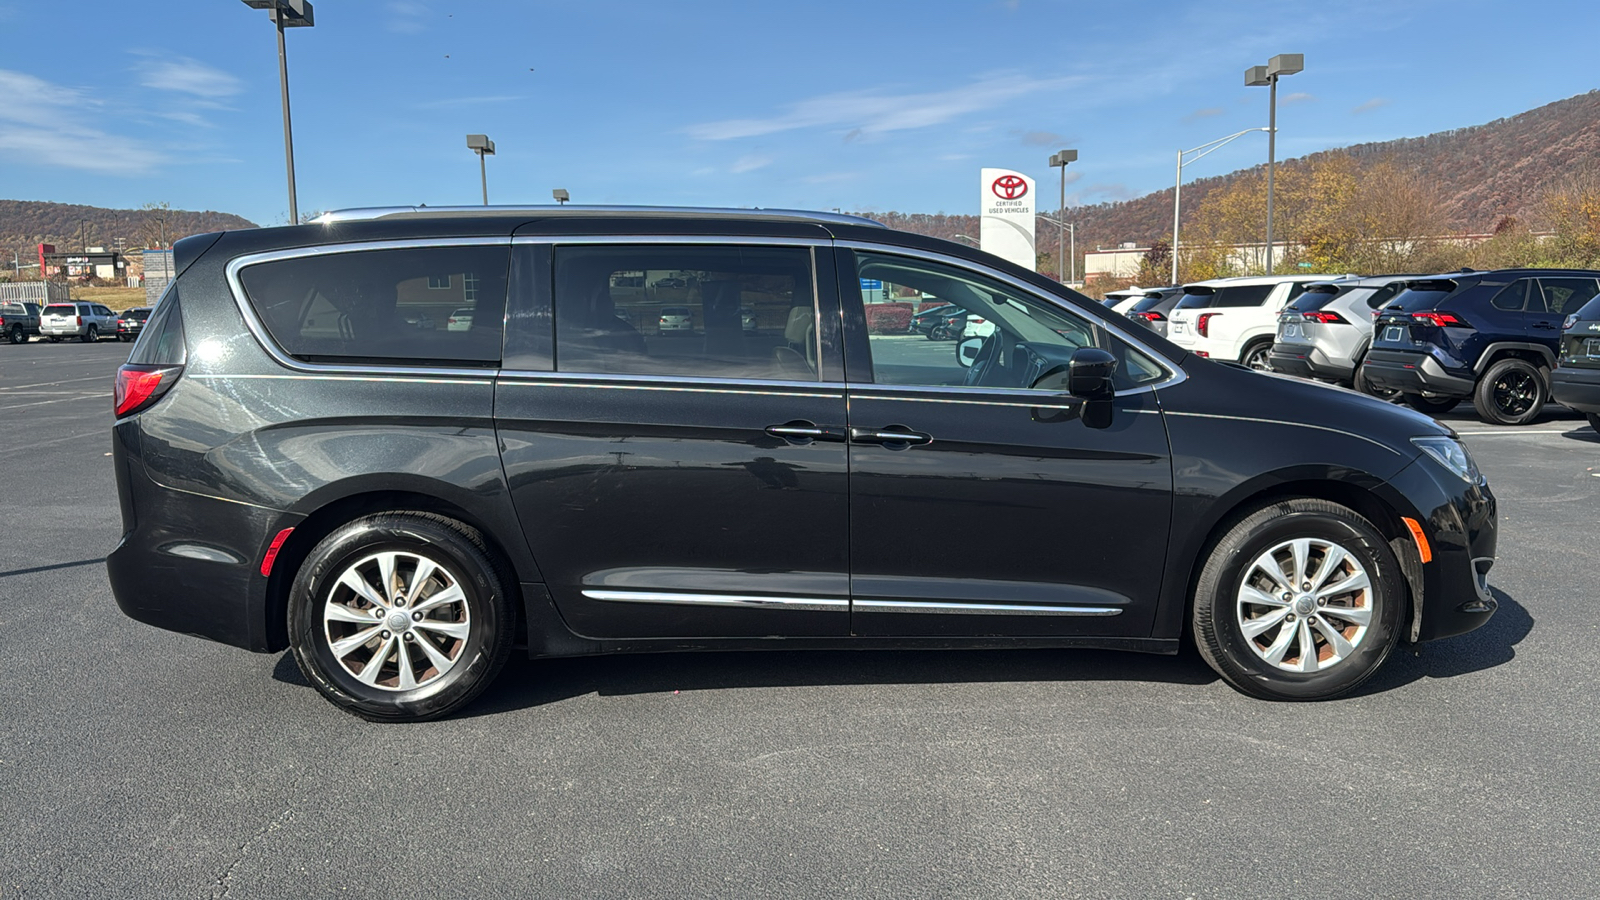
(383, 306)
(690, 311)
(1011, 339)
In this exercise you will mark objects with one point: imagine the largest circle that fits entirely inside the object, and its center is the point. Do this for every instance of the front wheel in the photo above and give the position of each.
(1433, 406)
(401, 616)
(1301, 600)
(1512, 392)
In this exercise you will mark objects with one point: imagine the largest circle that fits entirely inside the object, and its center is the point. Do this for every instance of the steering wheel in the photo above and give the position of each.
(983, 360)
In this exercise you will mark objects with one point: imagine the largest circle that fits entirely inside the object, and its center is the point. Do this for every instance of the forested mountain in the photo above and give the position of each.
(24, 224)
(1482, 175)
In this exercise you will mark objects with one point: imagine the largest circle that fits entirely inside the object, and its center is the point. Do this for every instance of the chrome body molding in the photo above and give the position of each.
(567, 210)
(1360, 437)
(798, 604)
(258, 329)
(981, 609)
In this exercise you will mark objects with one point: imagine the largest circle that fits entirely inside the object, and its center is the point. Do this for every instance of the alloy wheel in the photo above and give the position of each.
(1515, 392)
(1305, 605)
(1257, 358)
(397, 621)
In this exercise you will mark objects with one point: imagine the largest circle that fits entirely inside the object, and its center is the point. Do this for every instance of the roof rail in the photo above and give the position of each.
(369, 214)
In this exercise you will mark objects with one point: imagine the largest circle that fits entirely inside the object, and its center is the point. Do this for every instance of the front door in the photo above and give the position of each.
(999, 511)
(681, 473)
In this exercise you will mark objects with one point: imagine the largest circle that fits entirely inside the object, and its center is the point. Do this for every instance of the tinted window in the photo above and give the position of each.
(384, 306)
(161, 343)
(1563, 295)
(1317, 297)
(1196, 298)
(60, 309)
(1243, 295)
(1151, 301)
(610, 302)
(103, 311)
(1590, 310)
(1427, 294)
(1511, 296)
(139, 314)
(12, 309)
(1384, 294)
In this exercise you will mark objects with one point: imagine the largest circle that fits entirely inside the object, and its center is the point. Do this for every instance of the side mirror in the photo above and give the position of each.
(1089, 374)
(967, 351)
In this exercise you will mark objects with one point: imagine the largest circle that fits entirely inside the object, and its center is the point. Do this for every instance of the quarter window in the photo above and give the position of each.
(1511, 296)
(382, 306)
(695, 311)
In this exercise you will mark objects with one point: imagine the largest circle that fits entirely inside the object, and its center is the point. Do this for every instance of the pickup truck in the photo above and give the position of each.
(18, 321)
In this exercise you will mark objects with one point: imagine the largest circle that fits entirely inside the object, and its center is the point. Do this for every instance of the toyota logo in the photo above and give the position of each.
(1009, 187)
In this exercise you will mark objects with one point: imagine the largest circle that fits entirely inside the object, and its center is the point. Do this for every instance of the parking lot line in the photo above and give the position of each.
(18, 387)
(1514, 431)
(68, 399)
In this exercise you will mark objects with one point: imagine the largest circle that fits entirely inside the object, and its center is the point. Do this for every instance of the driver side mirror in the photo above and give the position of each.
(1089, 375)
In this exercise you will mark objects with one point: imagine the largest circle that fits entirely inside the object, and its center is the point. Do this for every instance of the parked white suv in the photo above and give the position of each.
(84, 321)
(1235, 319)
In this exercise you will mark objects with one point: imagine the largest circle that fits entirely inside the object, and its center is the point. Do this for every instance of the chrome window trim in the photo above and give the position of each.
(568, 210)
(989, 609)
(669, 382)
(1176, 375)
(263, 337)
(745, 601)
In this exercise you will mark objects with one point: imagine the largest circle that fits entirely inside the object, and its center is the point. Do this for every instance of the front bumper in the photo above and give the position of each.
(1414, 373)
(1460, 522)
(1577, 389)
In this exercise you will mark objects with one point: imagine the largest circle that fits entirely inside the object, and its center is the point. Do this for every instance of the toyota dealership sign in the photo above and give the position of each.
(1006, 226)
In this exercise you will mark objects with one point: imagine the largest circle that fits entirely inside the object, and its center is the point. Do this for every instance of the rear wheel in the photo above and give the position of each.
(1359, 382)
(1255, 355)
(1301, 600)
(401, 616)
(1433, 406)
(1594, 420)
(17, 335)
(1512, 392)
(91, 336)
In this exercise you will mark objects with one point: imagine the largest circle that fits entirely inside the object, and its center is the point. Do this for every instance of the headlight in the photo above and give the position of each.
(1452, 454)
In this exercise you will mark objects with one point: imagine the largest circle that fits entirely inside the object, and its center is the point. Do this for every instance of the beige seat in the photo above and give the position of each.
(797, 360)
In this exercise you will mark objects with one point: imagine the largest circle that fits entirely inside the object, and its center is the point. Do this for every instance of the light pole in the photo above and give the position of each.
(481, 145)
(561, 196)
(1177, 187)
(1061, 159)
(1066, 230)
(1256, 76)
(286, 14)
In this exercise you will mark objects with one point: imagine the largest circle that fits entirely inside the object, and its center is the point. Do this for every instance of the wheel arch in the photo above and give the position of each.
(1370, 496)
(1538, 354)
(328, 509)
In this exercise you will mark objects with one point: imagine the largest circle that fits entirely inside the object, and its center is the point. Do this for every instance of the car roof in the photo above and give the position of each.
(369, 214)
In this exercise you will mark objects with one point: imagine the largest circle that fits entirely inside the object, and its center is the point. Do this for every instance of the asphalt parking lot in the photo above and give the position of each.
(134, 762)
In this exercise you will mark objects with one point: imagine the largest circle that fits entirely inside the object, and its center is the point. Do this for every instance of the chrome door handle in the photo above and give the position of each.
(889, 435)
(801, 431)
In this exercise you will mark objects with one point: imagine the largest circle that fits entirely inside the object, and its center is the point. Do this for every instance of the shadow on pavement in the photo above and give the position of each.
(1492, 645)
(1583, 433)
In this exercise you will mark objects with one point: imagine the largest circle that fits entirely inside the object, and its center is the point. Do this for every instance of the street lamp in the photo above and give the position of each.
(1177, 187)
(481, 145)
(561, 196)
(286, 14)
(1061, 159)
(1066, 228)
(1256, 76)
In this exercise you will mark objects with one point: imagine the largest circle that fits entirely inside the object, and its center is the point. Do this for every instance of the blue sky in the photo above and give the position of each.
(866, 105)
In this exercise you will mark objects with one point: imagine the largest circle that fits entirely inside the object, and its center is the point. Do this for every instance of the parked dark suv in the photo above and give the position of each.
(1576, 379)
(1490, 336)
(299, 467)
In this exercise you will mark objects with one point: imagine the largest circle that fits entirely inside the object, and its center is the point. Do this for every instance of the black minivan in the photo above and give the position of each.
(302, 464)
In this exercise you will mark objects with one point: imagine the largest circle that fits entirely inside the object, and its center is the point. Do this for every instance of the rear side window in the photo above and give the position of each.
(1564, 295)
(385, 306)
(1511, 296)
(680, 310)
(161, 343)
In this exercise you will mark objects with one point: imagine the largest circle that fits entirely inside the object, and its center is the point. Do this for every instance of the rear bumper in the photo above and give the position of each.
(1307, 361)
(1414, 373)
(63, 330)
(1577, 389)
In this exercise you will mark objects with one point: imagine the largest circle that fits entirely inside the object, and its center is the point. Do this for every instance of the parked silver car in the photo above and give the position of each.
(84, 321)
(1324, 334)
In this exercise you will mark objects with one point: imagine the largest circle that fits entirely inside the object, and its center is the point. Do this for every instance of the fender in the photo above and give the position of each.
(1487, 356)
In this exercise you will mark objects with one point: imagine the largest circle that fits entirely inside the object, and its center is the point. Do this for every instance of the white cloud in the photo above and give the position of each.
(468, 101)
(1206, 113)
(1297, 97)
(405, 17)
(873, 112)
(187, 76)
(1370, 105)
(749, 163)
(43, 125)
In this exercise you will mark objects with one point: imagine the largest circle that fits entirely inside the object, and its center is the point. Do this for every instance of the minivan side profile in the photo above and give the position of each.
(403, 509)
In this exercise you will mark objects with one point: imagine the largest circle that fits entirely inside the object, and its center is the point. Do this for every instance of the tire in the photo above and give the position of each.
(1234, 580)
(1433, 406)
(16, 335)
(473, 634)
(1360, 383)
(1511, 392)
(91, 336)
(124, 338)
(1255, 356)
(55, 339)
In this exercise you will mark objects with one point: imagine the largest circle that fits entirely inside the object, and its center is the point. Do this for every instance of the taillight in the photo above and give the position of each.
(1326, 318)
(80, 321)
(140, 386)
(1565, 326)
(1203, 324)
(1150, 316)
(1441, 319)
